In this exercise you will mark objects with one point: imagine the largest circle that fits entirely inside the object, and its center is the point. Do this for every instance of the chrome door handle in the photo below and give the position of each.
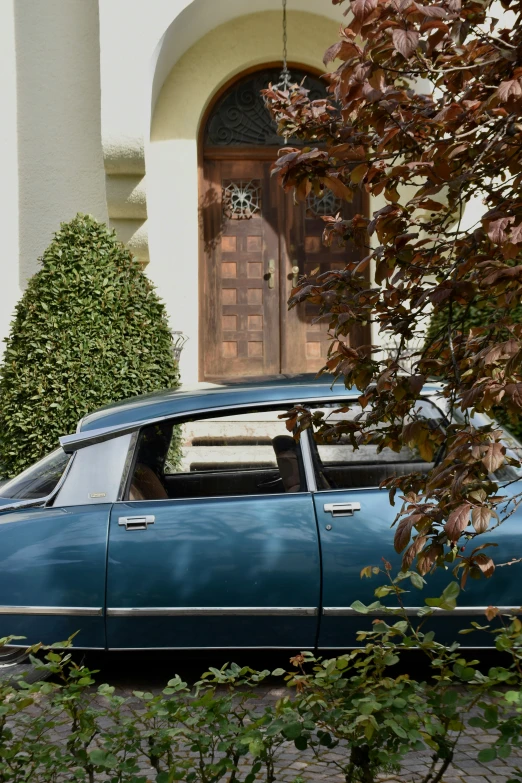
(137, 523)
(342, 509)
(295, 275)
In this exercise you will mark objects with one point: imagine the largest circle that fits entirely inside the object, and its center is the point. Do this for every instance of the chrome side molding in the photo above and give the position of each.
(214, 611)
(69, 611)
(412, 611)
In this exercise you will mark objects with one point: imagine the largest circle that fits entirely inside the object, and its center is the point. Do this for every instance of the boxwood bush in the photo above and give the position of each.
(89, 330)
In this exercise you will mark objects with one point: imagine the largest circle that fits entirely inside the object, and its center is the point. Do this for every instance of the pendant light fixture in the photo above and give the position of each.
(285, 78)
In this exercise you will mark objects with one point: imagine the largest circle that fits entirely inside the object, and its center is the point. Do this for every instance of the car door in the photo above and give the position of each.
(220, 549)
(53, 555)
(355, 520)
(52, 574)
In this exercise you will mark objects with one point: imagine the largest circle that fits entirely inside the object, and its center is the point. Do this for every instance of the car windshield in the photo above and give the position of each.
(39, 480)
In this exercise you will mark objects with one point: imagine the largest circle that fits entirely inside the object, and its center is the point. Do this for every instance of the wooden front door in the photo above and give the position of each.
(256, 243)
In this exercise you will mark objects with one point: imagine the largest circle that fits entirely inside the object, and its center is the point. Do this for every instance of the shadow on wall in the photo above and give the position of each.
(60, 159)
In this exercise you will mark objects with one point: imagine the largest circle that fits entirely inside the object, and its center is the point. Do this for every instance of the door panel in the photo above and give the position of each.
(349, 543)
(305, 343)
(53, 560)
(256, 244)
(235, 556)
(240, 305)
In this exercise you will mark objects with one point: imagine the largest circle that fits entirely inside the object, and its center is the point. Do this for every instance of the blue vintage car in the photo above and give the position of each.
(192, 519)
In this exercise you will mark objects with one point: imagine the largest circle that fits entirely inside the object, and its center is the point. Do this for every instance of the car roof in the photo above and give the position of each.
(207, 397)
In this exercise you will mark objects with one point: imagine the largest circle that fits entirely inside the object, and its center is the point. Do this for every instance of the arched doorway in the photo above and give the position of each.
(256, 242)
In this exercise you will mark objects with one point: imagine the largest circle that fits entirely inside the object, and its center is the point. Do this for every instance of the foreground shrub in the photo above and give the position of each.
(356, 705)
(89, 330)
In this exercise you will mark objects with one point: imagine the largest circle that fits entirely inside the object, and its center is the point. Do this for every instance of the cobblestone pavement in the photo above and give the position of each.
(291, 763)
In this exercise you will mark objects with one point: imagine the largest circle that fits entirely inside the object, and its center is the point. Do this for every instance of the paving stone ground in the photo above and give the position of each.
(292, 764)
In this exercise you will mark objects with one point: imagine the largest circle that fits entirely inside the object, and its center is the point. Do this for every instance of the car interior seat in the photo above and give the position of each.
(289, 462)
(146, 485)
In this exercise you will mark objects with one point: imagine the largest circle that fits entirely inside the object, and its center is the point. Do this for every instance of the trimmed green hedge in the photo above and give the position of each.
(89, 330)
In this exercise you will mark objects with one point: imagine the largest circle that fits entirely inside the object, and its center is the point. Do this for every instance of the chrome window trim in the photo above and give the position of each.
(412, 611)
(128, 466)
(219, 497)
(68, 611)
(80, 440)
(215, 611)
(306, 453)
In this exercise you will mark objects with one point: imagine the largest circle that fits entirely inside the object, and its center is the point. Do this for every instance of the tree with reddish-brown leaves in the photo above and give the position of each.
(424, 114)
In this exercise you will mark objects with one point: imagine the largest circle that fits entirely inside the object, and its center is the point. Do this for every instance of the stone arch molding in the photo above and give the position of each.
(172, 154)
(178, 32)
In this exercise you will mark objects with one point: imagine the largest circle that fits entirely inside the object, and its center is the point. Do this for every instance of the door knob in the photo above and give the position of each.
(270, 275)
(295, 275)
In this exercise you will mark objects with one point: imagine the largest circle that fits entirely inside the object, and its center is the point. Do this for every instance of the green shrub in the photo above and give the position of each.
(89, 330)
(354, 715)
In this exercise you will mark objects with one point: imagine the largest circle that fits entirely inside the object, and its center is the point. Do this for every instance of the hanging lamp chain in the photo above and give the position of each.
(285, 78)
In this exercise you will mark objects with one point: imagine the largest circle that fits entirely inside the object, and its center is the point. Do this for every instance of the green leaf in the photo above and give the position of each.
(417, 580)
(292, 730)
(359, 607)
(486, 755)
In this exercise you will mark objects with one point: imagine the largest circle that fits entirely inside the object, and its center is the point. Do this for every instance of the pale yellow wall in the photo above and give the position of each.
(8, 167)
(60, 163)
(171, 157)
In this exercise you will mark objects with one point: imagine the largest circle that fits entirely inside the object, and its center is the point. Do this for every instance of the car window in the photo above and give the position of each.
(39, 480)
(241, 454)
(339, 466)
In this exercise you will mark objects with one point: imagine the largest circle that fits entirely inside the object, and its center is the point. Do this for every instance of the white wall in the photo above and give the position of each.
(60, 164)
(8, 167)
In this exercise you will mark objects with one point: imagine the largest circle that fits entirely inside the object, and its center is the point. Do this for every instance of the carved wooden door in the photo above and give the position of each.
(306, 339)
(257, 243)
(240, 292)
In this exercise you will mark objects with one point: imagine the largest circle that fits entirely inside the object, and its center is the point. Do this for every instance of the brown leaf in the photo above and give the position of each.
(509, 89)
(480, 517)
(494, 457)
(405, 41)
(342, 49)
(403, 532)
(338, 188)
(412, 552)
(432, 11)
(515, 235)
(492, 612)
(428, 557)
(485, 563)
(497, 229)
(357, 174)
(458, 521)
(363, 8)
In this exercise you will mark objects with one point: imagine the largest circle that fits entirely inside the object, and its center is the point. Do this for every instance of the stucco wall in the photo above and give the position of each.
(60, 164)
(8, 167)
(171, 158)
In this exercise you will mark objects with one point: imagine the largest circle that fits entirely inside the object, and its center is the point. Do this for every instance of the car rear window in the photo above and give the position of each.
(39, 480)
